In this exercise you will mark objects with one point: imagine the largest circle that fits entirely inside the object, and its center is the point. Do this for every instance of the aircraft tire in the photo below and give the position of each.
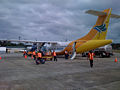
(42, 61)
(37, 62)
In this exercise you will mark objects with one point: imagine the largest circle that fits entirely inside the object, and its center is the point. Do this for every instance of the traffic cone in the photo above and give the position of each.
(115, 59)
(0, 57)
(25, 56)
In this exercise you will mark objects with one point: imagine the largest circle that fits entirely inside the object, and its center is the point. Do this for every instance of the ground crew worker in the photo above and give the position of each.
(47, 53)
(66, 54)
(6, 50)
(50, 52)
(39, 58)
(34, 55)
(39, 54)
(54, 54)
(24, 53)
(90, 56)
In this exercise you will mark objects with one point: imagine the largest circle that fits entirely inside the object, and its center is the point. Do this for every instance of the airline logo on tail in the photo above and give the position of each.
(101, 28)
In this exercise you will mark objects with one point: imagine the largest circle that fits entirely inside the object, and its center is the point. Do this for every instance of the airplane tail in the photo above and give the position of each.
(102, 25)
(97, 35)
(99, 30)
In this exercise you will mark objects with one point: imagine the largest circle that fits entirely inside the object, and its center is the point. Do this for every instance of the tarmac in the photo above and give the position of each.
(18, 73)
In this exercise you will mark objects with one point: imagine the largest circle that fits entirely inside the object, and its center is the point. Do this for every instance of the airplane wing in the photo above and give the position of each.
(30, 41)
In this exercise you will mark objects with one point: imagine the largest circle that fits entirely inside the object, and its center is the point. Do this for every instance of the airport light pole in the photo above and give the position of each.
(19, 37)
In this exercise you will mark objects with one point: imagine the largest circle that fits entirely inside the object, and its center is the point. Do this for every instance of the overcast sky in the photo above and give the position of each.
(54, 19)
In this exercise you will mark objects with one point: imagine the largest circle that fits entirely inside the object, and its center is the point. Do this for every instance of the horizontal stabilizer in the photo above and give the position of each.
(96, 13)
(115, 16)
(101, 13)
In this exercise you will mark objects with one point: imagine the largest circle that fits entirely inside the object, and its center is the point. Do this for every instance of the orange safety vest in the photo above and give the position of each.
(24, 52)
(34, 53)
(91, 56)
(39, 55)
(54, 53)
(47, 53)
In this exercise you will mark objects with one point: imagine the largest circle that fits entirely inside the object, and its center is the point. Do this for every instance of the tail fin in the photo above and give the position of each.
(102, 25)
(99, 30)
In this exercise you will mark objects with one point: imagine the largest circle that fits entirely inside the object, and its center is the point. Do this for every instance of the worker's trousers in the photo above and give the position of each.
(66, 56)
(34, 57)
(55, 58)
(91, 63)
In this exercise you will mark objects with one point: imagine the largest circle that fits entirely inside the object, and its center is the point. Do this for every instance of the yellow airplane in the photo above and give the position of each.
(94, 39)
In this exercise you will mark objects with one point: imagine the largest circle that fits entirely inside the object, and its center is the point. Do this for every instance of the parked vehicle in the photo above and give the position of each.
(105, 51)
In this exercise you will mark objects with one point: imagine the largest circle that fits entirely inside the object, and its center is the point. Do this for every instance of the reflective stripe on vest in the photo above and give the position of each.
(91, 56)
(39, 55)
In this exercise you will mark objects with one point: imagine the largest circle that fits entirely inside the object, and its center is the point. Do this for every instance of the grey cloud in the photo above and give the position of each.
(114, 31)
(52, 19)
